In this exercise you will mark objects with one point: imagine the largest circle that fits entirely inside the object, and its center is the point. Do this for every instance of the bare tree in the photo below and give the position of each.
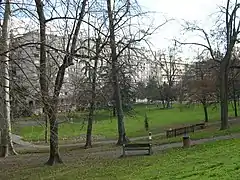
(93, 79)
(227, 33)
(170, 64)
(234, 75)
(50, 103)
(6, 140)
(203, 85)
(123, 34)
(115, 76)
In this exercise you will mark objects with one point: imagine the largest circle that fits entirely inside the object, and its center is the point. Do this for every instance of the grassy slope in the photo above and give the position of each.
(218, 160)
(212, 131)
(107, 127)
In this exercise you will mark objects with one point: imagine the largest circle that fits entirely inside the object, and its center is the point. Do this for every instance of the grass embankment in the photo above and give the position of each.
(106, 127)
(218, 160)
(209, 132)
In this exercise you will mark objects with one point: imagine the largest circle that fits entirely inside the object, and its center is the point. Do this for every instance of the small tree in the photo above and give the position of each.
(152, 90)
(202, 88)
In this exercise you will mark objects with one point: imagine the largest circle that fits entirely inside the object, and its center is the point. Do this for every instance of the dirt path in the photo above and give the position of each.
(117, 153)
(38, 159)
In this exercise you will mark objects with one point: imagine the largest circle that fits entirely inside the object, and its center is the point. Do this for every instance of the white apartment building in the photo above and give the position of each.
(161, 66)
(25, 62)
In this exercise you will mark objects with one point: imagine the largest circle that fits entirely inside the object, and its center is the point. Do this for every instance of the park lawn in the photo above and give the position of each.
(106, 127)
(215, 160)
(209, 132)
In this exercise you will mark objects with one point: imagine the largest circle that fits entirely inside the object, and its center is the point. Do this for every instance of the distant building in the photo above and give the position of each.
(162, 67)
(24, 67)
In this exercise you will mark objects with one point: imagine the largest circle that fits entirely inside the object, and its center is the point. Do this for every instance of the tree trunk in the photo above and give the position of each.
(205, 112)
(93, 99)
(114, 111)
(224, 97)
(54, 157)
(51, 103)
(46, 127)
(120, 114)
(180, 104)
(89, 128)
(168, 103)
(6, 139)
(234, 100)
(238, 103)
(115, 77)
(163, 103)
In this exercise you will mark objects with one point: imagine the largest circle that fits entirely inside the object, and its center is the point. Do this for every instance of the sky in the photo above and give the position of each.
(201, 11)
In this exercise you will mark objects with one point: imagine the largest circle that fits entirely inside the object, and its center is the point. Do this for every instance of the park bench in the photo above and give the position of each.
(137, 147)
(184, 130)
(200, 126)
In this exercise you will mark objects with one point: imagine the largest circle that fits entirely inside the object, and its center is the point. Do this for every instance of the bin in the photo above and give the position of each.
(186, 141)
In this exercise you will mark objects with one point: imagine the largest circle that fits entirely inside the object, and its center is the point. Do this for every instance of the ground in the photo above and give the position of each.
(105, 127)
(215, 159)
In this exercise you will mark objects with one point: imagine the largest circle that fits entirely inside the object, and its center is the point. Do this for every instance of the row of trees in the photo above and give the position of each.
(105, 38)
(199, 83)
(101, 35)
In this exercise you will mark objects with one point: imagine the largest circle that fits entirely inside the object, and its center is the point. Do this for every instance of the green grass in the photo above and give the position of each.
(106, 127)
(213, 161)
(209, 132)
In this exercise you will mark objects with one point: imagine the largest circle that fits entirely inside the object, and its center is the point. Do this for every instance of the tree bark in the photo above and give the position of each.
(205, 112)
(51, 103)
(114, 111)
(163, 103)
(54, 157)
(234, 100)
(6, 139)
(115, 77)
(224, 96)
(93, 99)
(238, 101)
(46, 125)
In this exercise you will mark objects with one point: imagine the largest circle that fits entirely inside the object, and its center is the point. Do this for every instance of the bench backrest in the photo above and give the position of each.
(137, 145)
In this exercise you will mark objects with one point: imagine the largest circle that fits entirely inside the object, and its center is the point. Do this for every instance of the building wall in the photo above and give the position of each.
(155, 64)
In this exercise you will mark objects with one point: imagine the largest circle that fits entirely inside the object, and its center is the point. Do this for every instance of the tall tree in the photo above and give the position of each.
(170, 65)
(227, 32)
(115, 75)
(123, 35)
(93, 81)
(6, 140)
(51, 103)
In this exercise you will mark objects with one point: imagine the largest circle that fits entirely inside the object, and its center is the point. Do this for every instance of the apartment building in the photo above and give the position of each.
(161, 66)
(24, 67)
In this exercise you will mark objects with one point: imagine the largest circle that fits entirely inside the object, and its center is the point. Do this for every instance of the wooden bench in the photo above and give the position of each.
(183, 130)
(200, 126)
(137, 147)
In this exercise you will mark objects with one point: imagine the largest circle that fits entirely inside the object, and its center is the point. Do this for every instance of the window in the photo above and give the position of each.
(14, 71)
(36, 55)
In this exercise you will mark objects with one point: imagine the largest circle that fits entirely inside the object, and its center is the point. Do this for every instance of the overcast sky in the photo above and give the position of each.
(189, 10)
